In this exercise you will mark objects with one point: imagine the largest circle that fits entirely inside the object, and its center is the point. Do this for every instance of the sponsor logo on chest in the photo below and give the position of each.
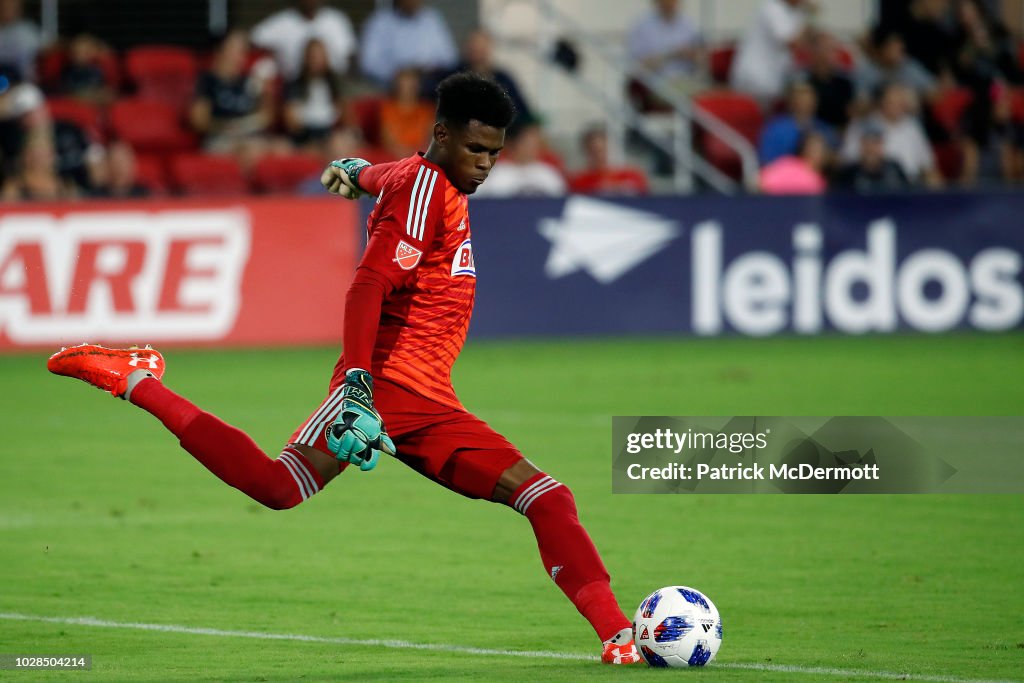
(463, 263)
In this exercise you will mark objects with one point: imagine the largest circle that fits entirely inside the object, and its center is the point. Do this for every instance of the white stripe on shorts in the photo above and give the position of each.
(326, 421)
(310, 430)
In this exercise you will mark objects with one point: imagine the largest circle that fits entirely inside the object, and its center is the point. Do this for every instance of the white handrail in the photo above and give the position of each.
(685, 160)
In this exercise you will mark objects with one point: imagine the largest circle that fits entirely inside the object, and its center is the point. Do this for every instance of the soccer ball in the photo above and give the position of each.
(677, 626)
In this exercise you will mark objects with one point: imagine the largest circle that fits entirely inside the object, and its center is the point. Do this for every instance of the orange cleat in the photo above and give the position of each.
(621, 649)
(106, 369)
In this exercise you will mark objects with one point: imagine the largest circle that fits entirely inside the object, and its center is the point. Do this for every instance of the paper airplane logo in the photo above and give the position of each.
(604, 239)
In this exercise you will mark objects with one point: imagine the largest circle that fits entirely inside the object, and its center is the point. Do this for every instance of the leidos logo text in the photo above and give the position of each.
(857, 291)
(121, 275)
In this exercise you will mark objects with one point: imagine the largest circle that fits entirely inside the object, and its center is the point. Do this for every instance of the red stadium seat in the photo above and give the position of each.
(284, 173)
(736, 110)
(207, 175)
(1017, 104)
(843, 56)
(150, 126)
(367, 114)
(48, 67)
(949, 158)
(151, 171)
(949, 108)
(86, 116)
(720, 62)
(163, 73)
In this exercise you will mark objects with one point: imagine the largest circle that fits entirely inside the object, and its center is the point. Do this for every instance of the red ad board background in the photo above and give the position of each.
(244, 272)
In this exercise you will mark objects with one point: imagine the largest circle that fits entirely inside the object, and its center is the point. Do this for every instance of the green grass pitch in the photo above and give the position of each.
(103, 516)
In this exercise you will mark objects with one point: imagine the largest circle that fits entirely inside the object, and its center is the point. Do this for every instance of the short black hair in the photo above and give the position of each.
(466, 96)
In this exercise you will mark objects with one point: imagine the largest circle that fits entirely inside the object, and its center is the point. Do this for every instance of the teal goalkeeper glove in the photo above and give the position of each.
(341, 177)
(357, 435)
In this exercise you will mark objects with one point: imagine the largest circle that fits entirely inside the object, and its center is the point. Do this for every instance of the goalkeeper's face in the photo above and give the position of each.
(469, 152)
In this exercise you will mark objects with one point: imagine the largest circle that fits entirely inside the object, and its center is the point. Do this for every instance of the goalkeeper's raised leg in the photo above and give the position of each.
(298, 472)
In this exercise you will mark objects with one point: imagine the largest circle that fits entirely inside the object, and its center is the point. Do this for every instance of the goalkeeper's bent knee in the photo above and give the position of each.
(282, 483)
(235, 459)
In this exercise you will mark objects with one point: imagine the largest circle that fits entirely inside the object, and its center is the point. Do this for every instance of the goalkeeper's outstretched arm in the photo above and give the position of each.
(371, 179)
(352, 177)
(358, 435)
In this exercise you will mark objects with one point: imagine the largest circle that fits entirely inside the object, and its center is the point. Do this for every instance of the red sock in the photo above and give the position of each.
(228, 452)
(568, 554)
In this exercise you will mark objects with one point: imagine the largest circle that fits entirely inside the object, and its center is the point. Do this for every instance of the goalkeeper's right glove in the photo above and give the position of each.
(357, 435)
(341, 177)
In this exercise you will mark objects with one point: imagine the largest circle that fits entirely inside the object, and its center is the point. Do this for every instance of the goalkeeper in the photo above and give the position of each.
(406, 317)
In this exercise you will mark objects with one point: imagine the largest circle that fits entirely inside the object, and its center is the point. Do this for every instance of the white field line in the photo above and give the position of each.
(459, 649)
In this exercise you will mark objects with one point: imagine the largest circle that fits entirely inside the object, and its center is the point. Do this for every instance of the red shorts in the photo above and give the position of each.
(453, 447)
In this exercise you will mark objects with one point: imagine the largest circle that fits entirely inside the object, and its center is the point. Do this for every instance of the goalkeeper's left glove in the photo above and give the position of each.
(357, 435)
(341, 177)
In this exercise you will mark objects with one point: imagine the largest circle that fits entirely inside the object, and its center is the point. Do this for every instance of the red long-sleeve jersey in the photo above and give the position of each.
(408, 309)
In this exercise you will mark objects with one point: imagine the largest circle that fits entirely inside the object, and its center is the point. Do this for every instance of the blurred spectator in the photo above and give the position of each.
(36, 178)
(830, 81)
(1008, 136)
(408, 35)
(341, 143)
(890, 63)
(522, 171)
(782, 135)
(928, 36)
(985, 49)
(22, 111)
(802, 173)
(115, 176)
(406, 120)
(985, 62)
(286, 34)
(20, 40)
(665, 45)
(872, 171)
(763, 58)
(478, 57)
(903, 136)
(230, 109)
(313, 101)
(599, 176)
(77, 154)
(81, 76)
